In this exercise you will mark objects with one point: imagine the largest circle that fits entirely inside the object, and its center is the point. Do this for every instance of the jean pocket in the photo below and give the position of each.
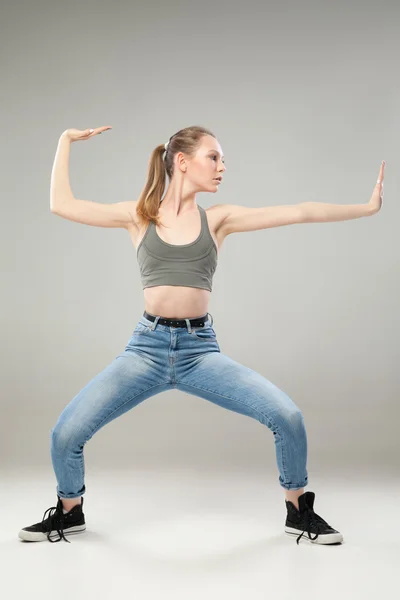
(204, 333)
(141, 329)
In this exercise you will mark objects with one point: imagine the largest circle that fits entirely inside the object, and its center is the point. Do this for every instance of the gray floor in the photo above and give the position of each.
(193, 534)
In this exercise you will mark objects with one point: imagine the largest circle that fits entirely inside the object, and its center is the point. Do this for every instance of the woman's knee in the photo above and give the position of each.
(65, 436)
(292, 419)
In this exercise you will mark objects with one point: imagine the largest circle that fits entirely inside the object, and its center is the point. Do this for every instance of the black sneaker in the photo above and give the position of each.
(306, 520)
(56, 523)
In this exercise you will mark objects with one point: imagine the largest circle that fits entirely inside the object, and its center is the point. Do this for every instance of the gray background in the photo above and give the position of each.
(304, 99)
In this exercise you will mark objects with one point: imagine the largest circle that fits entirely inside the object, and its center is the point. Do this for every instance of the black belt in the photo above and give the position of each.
(198, 322)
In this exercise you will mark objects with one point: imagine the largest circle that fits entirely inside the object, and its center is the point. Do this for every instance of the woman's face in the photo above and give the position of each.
(206, 165)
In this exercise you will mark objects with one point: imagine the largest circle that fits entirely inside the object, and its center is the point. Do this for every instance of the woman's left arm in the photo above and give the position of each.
(233, 219)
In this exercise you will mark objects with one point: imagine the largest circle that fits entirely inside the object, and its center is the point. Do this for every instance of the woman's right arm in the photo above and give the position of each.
(64, 204)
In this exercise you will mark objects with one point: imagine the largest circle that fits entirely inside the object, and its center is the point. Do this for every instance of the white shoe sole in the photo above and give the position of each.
(325, 538)
(37, 536)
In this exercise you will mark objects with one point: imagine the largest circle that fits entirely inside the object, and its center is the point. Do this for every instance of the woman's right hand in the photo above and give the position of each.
(77, 135)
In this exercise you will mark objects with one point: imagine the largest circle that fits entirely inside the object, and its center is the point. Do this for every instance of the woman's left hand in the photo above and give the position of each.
(375, 202)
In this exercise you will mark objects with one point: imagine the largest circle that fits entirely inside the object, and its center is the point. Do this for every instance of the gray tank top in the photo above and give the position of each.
(190, 265)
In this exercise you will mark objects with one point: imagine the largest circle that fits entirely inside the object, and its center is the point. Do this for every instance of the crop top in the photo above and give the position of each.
(189, 265)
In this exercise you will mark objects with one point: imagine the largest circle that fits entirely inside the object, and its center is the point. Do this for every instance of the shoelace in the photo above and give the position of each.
(311, 519)
(54, 519)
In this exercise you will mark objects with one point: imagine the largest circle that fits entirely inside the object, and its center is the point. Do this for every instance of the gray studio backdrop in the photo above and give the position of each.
(304, 100)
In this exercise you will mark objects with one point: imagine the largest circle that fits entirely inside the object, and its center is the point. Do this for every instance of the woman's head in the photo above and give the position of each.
(192, 153)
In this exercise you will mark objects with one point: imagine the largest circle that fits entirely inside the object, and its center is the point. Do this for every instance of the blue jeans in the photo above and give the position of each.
(157, 358)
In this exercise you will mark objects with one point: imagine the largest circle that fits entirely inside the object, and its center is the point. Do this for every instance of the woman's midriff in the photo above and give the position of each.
(178, 302)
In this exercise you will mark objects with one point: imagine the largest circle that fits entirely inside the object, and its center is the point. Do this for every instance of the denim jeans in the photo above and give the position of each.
(157, 358)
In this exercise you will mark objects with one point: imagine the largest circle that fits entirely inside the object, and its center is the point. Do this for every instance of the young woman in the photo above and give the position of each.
(174, 344)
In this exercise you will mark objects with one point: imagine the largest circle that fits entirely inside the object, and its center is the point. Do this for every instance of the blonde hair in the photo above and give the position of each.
(186, 140)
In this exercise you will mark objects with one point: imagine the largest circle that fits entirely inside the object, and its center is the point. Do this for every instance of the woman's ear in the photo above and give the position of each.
(181, 161)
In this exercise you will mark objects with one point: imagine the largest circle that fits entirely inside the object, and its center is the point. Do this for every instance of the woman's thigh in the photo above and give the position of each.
(128, 380)
(223, 381)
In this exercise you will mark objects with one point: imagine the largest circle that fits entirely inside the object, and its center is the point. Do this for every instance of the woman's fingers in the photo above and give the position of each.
(99, 130)
(381, 173)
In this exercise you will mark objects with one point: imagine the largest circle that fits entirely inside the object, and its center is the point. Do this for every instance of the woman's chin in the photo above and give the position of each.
(213, 188)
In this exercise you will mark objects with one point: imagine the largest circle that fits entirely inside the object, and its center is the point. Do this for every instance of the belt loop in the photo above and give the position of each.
(188, 325)
(154, 325)
(212, 320)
